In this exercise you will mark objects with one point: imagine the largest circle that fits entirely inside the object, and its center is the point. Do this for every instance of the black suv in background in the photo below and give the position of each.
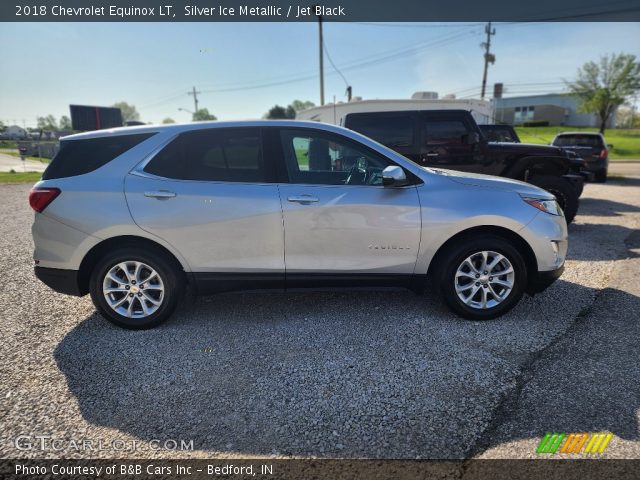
(591, 147)
(451, 139)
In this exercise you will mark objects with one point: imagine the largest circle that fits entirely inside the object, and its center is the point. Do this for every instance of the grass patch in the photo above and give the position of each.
(13, 153)
(20, 177)
(626, 142)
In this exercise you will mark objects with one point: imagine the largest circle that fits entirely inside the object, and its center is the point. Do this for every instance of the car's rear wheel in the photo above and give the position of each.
(565, 193)
(601, 176)
(482, 278)
(136, 289)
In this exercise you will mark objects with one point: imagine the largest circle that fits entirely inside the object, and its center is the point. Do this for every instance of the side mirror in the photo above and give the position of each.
(609, 146)
(472, 138)
(393, 176)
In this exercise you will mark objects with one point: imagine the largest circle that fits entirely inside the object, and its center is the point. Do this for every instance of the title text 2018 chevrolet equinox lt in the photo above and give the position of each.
(133, 215)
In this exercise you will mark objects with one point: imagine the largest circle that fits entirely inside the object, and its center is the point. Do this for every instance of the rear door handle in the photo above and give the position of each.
(302, 199)
(433, 154)
(160, 194)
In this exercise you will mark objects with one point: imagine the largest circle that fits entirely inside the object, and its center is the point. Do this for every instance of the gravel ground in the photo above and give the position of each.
(357, 374)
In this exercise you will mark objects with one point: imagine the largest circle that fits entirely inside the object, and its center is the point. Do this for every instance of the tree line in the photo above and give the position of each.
(604, 87)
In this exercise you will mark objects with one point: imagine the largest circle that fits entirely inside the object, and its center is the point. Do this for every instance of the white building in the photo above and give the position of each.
(552, 108)
(334, 113)
(14, 132)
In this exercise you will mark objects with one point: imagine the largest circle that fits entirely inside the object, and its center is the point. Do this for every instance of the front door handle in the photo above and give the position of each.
(433, 154)
(302, 199)
(160, 194)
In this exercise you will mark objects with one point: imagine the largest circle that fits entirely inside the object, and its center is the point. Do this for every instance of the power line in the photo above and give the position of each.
(391, 56)
(410, 25)
(383, 57)
(326, 51)
(308, 74)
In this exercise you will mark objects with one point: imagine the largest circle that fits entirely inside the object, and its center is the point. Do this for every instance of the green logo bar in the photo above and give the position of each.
(543, 443)
(550, 442)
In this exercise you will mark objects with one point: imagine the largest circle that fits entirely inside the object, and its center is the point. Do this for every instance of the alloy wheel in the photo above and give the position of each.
(484, 279)
(133, 289)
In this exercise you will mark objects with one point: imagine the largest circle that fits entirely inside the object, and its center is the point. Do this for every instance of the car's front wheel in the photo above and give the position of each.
(134, 288)
(482, 278)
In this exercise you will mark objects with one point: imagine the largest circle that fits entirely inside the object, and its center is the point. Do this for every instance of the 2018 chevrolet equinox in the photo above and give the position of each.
(133, 215)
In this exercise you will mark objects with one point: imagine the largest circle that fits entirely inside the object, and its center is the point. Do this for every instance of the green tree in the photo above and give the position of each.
(202, 114)
(47, 123)
(606, 85)
(299, 105)
(3, 127)
(65, 123)
(129, 112)
(168, 120)
(289, 111)
(278, 112)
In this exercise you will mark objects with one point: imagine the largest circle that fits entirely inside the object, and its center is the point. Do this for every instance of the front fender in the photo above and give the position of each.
(449, 211)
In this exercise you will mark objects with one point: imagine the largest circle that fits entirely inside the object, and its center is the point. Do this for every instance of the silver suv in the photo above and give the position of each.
(134, 215)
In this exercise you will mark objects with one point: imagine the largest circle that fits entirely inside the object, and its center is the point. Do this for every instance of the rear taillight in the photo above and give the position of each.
(40, 198)
(603, 153)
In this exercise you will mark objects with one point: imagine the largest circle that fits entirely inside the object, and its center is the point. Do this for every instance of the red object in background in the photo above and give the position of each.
(604, 153)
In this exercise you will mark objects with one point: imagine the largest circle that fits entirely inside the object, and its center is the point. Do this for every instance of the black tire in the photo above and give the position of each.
(171, 279)
(579, 188)
(453, 258)
(601, 176)
(564, 192)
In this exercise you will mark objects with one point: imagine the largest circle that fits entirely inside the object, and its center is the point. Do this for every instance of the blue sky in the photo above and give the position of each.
(46, 67)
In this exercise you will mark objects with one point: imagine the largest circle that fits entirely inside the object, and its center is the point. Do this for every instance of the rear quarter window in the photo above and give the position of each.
(77, 157)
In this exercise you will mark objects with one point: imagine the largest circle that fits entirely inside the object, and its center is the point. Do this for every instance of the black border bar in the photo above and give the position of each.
(332, 10)
(355, 469)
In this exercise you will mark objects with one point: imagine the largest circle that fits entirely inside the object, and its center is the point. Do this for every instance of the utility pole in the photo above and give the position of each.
(349, 93)
(195, 98)
(488, 56)
(321, 60)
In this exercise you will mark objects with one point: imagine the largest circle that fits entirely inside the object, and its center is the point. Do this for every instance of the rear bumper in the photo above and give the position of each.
(62, 281)
(542, 280)
(597, 165)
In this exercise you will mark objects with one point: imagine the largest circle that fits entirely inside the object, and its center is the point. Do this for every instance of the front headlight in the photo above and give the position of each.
(547, 206)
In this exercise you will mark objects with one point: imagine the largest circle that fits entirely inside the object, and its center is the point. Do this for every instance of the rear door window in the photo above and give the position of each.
(77, 157)
(222, 155)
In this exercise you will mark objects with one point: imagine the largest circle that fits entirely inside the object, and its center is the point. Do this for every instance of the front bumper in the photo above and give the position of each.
(541, 280)
(62, 281)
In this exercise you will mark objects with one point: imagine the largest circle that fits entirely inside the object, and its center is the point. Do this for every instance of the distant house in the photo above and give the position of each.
(14, 132)
(554, 108)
